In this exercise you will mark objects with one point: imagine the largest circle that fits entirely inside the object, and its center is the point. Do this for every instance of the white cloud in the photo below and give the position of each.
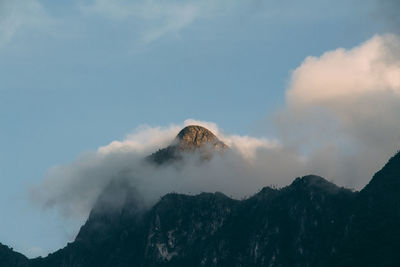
(344, 106)
(342, 73)
(17, 15)
(73, 188)
(146, 139)
(341, 122)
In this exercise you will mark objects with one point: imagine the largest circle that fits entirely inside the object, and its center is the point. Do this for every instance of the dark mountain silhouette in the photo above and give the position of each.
(311, 222)
(8, 257)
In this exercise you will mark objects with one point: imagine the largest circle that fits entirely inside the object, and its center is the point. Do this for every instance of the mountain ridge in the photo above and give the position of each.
(9, 257)
(311, 222)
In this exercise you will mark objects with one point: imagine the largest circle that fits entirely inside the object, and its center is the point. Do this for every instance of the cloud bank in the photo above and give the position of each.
(345, 104)
(340, 121)
(74, 188)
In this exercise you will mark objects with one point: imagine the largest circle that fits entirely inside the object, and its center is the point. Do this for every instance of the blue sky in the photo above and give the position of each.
(76, 75)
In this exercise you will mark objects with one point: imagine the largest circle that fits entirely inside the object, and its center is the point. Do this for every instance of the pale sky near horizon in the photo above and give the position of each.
(76, 75)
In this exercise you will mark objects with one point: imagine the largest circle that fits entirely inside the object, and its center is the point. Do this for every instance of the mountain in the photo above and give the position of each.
(311, 222)
(8, 257)
(374, 219)
(190, 139)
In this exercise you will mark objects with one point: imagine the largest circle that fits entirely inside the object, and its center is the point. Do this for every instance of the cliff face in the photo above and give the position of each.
(311, 222)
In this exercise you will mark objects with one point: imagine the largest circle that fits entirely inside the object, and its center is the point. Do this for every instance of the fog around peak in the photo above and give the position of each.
(340, 121)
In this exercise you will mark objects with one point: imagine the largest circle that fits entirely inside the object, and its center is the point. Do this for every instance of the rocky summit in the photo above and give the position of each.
(190, 139)
(311, 222)
(193, 136)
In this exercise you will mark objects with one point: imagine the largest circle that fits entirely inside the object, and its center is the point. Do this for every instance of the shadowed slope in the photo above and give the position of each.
(311, 222)
(9, 257)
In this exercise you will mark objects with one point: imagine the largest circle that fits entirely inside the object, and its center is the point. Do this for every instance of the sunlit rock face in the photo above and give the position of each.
(190, 140)
(193, 137)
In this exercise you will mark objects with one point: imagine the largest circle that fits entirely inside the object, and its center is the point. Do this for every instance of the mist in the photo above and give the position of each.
(239, 172)
(340, 121)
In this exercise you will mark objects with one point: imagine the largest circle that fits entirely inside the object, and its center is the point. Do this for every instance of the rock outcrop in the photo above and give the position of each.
(190, 139)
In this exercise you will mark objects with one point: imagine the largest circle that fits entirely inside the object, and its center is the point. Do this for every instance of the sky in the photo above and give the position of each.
(294, 77)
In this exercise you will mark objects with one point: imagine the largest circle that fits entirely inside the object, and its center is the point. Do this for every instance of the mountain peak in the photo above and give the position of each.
(193, 131)
(194, 136)
(190, 139)
(315, 182)
(385, 185)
